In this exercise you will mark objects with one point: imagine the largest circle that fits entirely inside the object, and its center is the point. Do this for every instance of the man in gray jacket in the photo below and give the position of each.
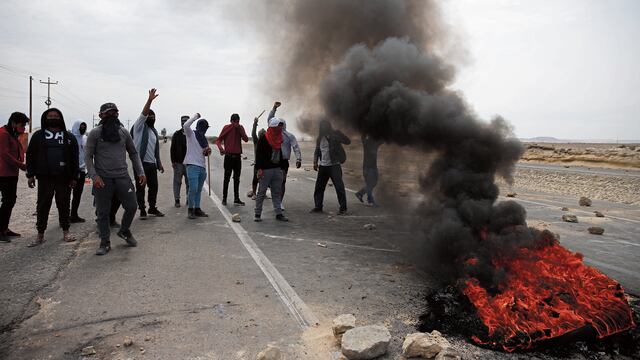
(105, 159)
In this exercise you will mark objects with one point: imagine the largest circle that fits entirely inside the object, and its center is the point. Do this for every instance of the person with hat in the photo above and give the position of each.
(230, 136)
(52, 158)
(197, 149)
(145, 136)
(178, 151)
(79, 130)
(105, 158)
(11, 162)
(269, 162)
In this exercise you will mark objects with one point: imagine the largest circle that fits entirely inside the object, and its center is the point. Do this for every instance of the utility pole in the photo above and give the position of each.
(93, 122)
(30, 102)
(49, 83)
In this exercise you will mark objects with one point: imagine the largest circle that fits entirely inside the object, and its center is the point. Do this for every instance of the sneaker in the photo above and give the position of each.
(190, 214)
(155, 212)
(254, 197)
(250, 194)
(67, 237)
(281, 207)
(4, 239)
(143, 214)
(315, 210)
(281, 217)
(10, 233)
(257, 218)
(238, 202)
(342, 212)
(39, 240)
(373, 204)
(224, 202)
(103, 250)
(128, 237)
(197, 212)
(359, 195)
(76, 219)
(114, 225)
(177, 204)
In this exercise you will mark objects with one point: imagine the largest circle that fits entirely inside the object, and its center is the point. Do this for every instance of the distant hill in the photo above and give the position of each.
(551, 139)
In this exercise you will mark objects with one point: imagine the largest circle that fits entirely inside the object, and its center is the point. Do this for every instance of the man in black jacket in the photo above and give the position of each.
(52, 158)
(327, 160)
(269, 164)
(178, 152)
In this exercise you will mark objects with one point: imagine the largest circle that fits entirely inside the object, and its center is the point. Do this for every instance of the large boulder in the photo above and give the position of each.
(365, 342)
(424, 345)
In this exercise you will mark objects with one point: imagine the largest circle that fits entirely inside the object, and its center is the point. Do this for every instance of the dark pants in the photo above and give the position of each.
(115, 205)
(285, 171)
(77, 194)
(333, 172)
(123, 189)
(232, 163)
(8, 189)
(370, 175)
(151, 172)
(254, 181)
(48, 188)
(179, 172)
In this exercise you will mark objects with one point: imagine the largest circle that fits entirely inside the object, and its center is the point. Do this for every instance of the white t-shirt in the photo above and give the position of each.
(194, 154)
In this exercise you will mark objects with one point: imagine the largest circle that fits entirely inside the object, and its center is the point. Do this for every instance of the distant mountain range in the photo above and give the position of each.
(551, 139)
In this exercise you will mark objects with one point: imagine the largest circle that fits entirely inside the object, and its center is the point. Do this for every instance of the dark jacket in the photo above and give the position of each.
(37, 162)
(178, 148)
(336, 138)
(263, 155)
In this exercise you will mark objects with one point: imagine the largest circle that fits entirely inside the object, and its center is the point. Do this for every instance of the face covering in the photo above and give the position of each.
(111, 129)
(151, 121)
(274, 137)
(82, 129)
(201, 129)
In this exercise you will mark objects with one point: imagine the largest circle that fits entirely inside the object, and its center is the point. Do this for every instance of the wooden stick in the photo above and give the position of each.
(209, 173)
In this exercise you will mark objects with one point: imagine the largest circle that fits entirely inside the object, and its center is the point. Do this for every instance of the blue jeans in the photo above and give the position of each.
(196, 175)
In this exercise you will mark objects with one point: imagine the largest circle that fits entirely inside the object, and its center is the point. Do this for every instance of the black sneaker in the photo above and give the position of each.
(128, 237)
(143, 214)
(10, 233)
(359, 195)
(155, 212)
(177, 204)
(224, 202)
(76, 219)
(342, 212)
(257, 218)
(114, 225)
(103, 250)
(316, 210)
(281, 217)
(238, 202)
(190, 214)
(4, 239)
(199, 213)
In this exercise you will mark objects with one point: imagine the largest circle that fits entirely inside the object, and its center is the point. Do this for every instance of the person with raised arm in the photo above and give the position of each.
(195, 161)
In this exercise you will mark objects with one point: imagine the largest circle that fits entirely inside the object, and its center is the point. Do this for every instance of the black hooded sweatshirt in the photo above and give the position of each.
(40, 161)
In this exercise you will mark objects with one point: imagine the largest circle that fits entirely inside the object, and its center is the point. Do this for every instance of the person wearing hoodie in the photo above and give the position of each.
(289, 142)
(79, 129)
(52, 159)
(146, 138)
(197, 149)
(11, 162)
(269, 168)
(105, 158)
(369, 169)
(178, 151)
(231, 136)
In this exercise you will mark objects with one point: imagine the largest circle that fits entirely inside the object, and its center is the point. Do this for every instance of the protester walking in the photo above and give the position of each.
(11, 162)
(269, 168)
(369, 169)
(289, 142)
(231, 136)
(52, 159)
(197, 149)
(79, 130)
(327, 160)
(105, 158)
(178, 151)
(145, 136)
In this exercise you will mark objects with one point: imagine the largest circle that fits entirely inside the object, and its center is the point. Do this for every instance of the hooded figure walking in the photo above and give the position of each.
(79, 129)
(52, 159)
(197, 149)
(269, 163)
(327, 160)
(145, 136)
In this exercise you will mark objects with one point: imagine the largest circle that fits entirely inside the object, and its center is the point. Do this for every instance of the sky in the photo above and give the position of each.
(568, 69)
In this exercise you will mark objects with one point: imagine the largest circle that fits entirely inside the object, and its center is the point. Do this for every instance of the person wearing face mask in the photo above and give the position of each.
(79, 129)
(178, 151)
(327, 160)
(105, 159)
(52, 158)
(11, 162)
(269, 163)
(145, 136)
(230, 136)
(197, 149)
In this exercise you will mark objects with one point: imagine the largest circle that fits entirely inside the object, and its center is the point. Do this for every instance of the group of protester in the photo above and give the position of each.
(59, 161)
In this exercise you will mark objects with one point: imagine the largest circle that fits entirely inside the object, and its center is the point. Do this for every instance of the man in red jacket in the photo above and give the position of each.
(231, 135)
(11, 161)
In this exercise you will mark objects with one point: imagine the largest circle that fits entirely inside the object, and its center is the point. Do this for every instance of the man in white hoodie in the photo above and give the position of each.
(79, 130)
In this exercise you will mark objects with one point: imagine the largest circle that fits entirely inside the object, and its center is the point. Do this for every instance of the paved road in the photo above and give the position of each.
(213, 289)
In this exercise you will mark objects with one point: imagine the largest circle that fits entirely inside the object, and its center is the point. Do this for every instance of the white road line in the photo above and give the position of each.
(327, 242)
(298, 309)
(346, 188)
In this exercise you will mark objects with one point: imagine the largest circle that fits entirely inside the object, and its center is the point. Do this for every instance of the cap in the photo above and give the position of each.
(274, 122)
(108, 106)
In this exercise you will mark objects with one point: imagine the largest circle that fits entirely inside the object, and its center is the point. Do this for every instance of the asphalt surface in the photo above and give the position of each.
(213, 289)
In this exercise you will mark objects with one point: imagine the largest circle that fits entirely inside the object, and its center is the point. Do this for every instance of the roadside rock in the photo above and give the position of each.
(511, 194)
(449, 354)
(596, 230)
(89, 350)
(584, 201)
(343, 323)
(570, 218)
(565, 209)
(365, 342)
(270, 353)
(127, 341)
(235, 217)
(424, 345)
(369, 226)
(598, 214)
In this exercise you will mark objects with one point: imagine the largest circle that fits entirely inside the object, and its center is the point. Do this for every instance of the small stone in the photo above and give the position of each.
(117, 345)
(270, 353)
(598, 214)
(142, 352)
(235, 217)
(511, 194)
(89, 350)
(570, 218)
(565, 209)
(141, 349)
(127, 341)
(448, 354)
(244, 158)
(424, 345)
(370, 226)
(365, 342)
(584, 201)
(148, 338)
(343, 323)
(596, 230)
(322, 245)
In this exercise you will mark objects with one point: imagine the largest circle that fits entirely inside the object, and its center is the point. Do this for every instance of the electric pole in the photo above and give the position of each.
(49, 83)
(93, 122)
(30, 102)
